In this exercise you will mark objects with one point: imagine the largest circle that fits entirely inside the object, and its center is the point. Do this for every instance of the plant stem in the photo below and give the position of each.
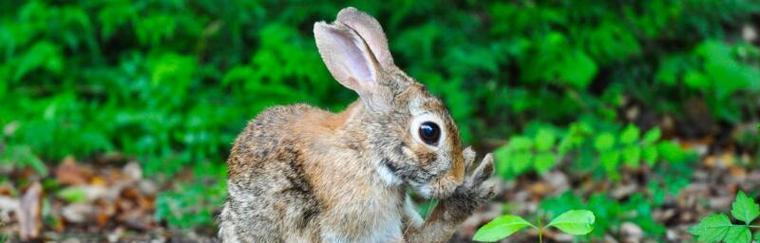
(540, 236)
(540, 230)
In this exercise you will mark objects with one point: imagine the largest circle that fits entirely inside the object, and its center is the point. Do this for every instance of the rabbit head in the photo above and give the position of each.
(409, 134)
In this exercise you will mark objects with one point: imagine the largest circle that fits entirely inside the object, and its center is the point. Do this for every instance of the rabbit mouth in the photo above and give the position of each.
(424, 183)
(409, 174)
(435, 189)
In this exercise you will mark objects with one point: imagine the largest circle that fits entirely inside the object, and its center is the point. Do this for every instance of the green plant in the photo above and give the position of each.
(534, 151)
(665, 182)
(160, 79)
(574, 222)
(591, 144)
(723, 73)
(22, 156)
(719, 228)
(610, 213)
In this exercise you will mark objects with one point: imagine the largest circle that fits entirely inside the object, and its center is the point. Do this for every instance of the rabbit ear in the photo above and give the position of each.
(349, 59)
(370, 31)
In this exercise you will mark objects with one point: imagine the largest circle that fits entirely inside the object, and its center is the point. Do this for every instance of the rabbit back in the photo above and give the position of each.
(267, 178)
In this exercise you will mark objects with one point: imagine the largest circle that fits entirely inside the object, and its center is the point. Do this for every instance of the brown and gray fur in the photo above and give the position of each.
(301, 174)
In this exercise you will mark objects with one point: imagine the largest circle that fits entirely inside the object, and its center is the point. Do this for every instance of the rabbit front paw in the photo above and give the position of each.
(474, 191)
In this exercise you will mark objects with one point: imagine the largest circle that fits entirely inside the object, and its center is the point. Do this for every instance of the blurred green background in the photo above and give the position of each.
(170, 83)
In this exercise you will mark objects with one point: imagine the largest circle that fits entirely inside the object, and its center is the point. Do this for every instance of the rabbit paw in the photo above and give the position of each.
(474, 191)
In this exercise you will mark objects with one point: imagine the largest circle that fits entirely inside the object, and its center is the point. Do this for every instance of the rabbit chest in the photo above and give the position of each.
(376, 218)
(358, 206)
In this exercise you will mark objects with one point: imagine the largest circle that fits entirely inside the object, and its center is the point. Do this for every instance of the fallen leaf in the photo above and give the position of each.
(77, 212)
(8, 205)
(133, 170)
(539, 188)
(29, 213)
(70, 173)
(632, 231)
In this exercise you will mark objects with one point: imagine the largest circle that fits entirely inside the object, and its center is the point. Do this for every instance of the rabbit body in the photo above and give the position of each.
(301, 174)
(303, 179)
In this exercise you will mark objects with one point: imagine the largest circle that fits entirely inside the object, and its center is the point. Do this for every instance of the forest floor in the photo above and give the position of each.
(110, 200)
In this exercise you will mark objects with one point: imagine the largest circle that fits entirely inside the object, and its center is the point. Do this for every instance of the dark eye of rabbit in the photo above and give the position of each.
(430, 133)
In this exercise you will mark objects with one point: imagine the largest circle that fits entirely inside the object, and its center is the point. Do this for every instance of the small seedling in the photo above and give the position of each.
(574, 222)
(719, 228)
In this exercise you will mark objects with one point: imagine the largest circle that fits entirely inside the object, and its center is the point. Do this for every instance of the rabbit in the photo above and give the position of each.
(300, 174)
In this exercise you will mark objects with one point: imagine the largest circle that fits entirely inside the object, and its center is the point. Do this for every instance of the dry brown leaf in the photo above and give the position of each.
(97, 180)
(6, 190)
(29, 216)
(738, 173)
(70, 173)
(539, 188)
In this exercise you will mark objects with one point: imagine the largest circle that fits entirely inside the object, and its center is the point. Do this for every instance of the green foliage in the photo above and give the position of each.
(22, 156)
(573, 222)
(592, 145)
(554, 52)
(192, 204)
(148, 78)
(172, 82)
(719, 228)
(529, 152)
(718, 71)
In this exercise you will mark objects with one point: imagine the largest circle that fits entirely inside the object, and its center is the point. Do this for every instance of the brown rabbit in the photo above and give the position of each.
(301, 174)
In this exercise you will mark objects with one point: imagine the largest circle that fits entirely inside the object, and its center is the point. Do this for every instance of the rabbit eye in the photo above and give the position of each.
(430, 133)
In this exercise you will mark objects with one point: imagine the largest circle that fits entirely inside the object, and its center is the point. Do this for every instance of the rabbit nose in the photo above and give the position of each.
(456, 173)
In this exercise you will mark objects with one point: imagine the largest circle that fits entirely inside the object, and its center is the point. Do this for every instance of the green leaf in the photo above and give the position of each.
(500, 228)
(696, 80)
(521, 161)
(604, 141)
(632, 156)
(574, 222)
(671, 152)
(543, 162)
(630, 134)
(669, 69)
(738, 234)
(712, 228)
(520, 143)
(577, 69)
(72, 194)
(544, 140)
(609, 159)
(744, 208)
(649, 155)
(652, 135)
(43, 54)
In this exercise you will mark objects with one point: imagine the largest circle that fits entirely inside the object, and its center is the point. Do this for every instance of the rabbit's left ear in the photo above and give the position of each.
(370, 31)
(356, 53)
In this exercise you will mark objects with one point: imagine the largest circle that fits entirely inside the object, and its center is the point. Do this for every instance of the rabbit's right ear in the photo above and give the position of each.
(352, 63)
